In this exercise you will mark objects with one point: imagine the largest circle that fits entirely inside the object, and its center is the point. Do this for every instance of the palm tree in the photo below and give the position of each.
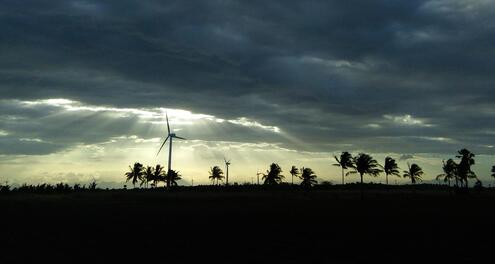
(308, 177)
(294, 172)
(464, 171)
(173, 177)
(345, 162)
(493, 171)
(390, 168)
(147, 176)
(414, 173)
(216, 174)
(135, 173)
(158, 175)
(449, 171)
(365, 164)
(273, 176)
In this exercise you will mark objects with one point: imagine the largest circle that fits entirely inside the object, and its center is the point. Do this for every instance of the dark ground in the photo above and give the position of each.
(324, 226)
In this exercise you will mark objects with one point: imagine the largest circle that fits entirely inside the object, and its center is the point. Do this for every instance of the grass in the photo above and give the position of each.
(249, 225)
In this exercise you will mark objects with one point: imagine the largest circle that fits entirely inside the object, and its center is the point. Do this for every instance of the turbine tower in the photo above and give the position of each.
(170, 136)
(227, 163)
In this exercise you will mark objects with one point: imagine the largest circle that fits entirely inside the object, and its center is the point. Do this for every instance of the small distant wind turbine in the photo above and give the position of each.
(170, 136)
(227, 163)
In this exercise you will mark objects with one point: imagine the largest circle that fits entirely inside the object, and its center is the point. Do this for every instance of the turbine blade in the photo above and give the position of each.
(162, 145)
(179, 137)
(168, 126)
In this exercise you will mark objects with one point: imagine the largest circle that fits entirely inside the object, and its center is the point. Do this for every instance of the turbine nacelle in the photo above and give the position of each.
(169, 136)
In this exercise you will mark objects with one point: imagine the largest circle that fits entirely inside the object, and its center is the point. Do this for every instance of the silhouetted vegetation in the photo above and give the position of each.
(147, 177)
(449, 172)
(390, 168)
(414, 173)
(460, 172)
(216, 174)
(345, 162)
(308, 178)
(135, 173)
(173, 177)
(294, 171)
(273, 176)
(155, 175)
(464, 171)
(365, 164)
(362, 164)
(158, 175)
(45, 188)
(4, 188)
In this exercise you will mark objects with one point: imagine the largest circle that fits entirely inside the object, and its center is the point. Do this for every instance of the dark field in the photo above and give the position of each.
(248, 226)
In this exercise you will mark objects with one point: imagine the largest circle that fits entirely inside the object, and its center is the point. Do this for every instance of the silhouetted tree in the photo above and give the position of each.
(308, 177)
(390, 168)
(147, 176)
(464, 171)
(216, 174)
(135, 173)
(5, 188)
(273, 176)
(174, 177)
(365, 164)
(449, 171)
(158, 175)
(92, 185)
(493, 171)
(345, 162)
(294, 172)
(414, 173)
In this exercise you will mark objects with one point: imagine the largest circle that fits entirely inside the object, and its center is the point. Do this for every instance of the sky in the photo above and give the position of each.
(85, 85)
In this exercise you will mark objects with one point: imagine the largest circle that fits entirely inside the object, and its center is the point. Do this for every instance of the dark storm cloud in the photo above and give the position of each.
(343, 72)
(42, 127)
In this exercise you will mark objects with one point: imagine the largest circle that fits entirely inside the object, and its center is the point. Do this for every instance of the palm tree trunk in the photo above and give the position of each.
(386, 178)
(343, 182)
(361, 187)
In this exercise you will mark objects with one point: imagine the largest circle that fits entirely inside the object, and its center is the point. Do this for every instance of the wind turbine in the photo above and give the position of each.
(170, 136)
(227, 163)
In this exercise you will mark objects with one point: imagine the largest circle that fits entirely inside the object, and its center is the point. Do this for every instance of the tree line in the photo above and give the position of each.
(362, 164)
(45, 188)
(151, 176)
